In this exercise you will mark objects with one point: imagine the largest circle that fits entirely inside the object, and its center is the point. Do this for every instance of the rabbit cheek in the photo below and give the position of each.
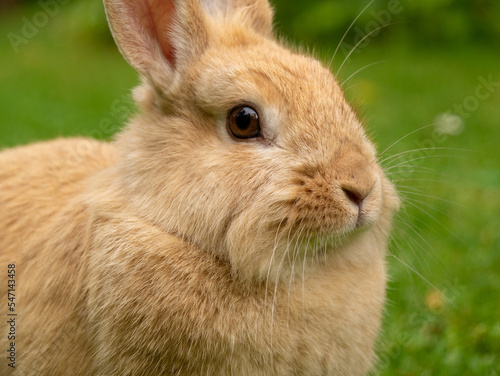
(319, 210)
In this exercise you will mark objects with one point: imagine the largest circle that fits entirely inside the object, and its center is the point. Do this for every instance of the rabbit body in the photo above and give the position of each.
(110, 294)
(180, 250)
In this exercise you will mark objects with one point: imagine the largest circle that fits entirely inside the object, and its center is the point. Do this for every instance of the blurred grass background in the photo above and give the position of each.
(427, 72)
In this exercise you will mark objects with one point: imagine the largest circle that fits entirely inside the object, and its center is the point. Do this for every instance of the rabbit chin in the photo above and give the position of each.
(300, 256)
(291, 253)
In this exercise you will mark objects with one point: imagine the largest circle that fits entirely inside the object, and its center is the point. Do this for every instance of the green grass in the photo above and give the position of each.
(443, 311)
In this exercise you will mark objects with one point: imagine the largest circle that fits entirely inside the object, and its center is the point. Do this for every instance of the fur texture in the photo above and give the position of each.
(179, 250)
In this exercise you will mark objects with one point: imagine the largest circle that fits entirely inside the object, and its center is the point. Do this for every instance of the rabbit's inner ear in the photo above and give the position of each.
(159, 17)
(156, 36)
(140, 30)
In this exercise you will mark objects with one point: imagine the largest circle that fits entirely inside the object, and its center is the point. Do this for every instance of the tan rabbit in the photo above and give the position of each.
(237, 226)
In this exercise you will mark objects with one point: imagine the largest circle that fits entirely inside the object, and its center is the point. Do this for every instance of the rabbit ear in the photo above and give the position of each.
(157, 36)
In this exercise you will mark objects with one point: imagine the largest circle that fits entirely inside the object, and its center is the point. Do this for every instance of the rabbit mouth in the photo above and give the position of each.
(309, 236)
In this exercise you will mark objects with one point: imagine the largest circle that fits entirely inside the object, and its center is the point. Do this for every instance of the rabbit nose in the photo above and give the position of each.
(356, 176)
(356, 194)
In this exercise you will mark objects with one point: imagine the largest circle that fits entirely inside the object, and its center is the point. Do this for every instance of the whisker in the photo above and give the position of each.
(304, 261)
(416, 233)
(409, 201)
(416, 187)
(277, 280)
(295, 252)
(266, 287)
(422, 149)
(424, 157)
(347, 31)
(423, 170)
(362, 69)
(422, 180)
(420, 170)
(411, 276)
(414, 219)
(405, 136)
(424, 279)
(361, 41)
(434, 198)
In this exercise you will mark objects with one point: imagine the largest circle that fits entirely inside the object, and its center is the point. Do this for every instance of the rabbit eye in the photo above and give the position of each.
(243, 122)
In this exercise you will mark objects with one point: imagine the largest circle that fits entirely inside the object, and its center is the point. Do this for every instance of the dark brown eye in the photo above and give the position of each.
(243, 122)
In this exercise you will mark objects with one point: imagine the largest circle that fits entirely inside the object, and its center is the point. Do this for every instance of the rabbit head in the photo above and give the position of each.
(243, 147)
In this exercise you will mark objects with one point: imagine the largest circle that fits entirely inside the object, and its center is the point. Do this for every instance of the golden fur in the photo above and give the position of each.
(177, 250)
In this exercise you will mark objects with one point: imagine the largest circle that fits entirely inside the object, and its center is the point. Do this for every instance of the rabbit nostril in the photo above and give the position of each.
(354, 195)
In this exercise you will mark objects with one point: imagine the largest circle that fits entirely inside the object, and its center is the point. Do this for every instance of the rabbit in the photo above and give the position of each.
(236, 226)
